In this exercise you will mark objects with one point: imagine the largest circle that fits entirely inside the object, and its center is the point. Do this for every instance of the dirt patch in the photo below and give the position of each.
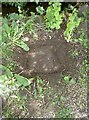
(49, 58)
(48, 55)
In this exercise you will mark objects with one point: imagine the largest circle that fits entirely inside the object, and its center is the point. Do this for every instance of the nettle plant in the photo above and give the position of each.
(54, 16)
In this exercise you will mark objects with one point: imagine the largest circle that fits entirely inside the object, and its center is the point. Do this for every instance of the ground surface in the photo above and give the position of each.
(50, 58)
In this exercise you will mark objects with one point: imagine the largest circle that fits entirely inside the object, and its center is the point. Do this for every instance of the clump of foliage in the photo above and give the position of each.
(40, 10)
(73, 23)
(69, 80)
(83, 70)
(13, 28)
(82, 39)
(15, 107)
(11, 84)
(16, 4)
(65, 113)
(12, 33)
(30, 23)
(54, 15)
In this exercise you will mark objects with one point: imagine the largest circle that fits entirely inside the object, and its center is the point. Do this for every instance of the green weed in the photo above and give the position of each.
(82, 39)
(53, 15)
(39, 87)
(40, 10)
(30, 26)
(64, 113)
(14, 106)
(12, 33)
(83, 70)
(73, 23)
(16, 4)
(69, 80)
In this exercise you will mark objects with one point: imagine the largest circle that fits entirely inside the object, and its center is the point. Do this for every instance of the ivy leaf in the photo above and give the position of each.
(21, 81)
(7, 28)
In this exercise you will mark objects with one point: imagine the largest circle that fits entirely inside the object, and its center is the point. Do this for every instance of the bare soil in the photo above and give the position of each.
(49, 57)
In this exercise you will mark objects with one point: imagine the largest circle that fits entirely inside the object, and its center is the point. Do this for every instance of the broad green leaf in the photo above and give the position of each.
(40, 10)
(14, 16)
(6, 71)
(5, 20)
(3, 78)
(6, 28)
(72, 81)
(13, 25)
(30, 80)
(40, 89)
(21, 81)
(23, 45)
(66, 79)
(50, 3)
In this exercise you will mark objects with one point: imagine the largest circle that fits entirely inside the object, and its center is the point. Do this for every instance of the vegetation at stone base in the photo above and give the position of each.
(11, 36)
(15, 104)
(13, 27)
(11, 84)
(73, 24)
(83, 78)
(13, 32)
